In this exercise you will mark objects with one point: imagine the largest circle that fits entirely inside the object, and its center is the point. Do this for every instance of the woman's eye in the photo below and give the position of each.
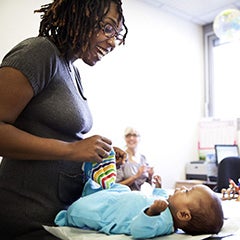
(109, 29)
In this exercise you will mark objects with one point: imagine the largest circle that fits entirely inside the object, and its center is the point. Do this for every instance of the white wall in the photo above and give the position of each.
(154, 82)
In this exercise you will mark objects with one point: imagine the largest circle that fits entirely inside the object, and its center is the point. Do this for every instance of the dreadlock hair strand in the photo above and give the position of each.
(70, 23)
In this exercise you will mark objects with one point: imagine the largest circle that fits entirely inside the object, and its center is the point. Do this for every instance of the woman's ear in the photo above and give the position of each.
(184, 215)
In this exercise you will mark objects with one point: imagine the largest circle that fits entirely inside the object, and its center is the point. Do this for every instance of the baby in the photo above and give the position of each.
(118, 210)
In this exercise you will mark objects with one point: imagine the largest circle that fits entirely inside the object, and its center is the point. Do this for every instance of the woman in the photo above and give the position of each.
(44, 114)
(135, 171)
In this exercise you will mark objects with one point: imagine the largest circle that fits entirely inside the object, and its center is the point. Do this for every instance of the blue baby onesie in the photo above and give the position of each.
(117, 210)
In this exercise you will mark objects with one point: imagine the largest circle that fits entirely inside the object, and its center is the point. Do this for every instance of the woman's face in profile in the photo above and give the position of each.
(104, 40)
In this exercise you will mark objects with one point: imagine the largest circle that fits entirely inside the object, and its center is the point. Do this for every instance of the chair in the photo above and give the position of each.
(229, 167)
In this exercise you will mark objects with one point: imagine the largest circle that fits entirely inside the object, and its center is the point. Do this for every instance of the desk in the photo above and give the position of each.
(190, 183)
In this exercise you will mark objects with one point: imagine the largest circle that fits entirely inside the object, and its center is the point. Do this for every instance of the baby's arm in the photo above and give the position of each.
(151, 223)
(157, 207)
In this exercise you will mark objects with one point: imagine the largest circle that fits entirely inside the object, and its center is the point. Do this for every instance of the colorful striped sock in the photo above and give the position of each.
(103, 173)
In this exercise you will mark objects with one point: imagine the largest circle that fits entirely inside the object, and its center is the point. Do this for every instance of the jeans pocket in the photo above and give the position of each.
(70, 187)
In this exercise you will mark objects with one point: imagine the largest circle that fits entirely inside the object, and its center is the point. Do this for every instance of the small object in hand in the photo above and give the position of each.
(103, 173)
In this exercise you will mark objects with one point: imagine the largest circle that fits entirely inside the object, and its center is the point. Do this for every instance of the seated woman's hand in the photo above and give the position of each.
(157, 180)
(140, 171)
(150, 171)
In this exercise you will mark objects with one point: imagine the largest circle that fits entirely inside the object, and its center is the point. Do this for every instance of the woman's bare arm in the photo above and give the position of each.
(15, 93)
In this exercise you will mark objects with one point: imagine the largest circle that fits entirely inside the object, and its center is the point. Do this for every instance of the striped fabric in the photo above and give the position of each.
(103, 173)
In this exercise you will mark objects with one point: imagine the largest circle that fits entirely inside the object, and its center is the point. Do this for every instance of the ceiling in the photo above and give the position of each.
(200, 12)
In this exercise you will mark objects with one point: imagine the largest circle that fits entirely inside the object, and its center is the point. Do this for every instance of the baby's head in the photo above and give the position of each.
(196, 210)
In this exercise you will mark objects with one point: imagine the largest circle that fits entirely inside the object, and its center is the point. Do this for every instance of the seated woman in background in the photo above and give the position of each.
(136, 170)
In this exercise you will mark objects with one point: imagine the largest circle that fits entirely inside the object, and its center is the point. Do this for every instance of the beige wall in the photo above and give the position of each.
(154, 82)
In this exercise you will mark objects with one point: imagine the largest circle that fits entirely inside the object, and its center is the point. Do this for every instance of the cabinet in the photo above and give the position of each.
(191, 183)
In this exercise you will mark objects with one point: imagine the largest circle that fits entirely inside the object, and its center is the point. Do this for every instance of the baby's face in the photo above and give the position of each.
(190, 197)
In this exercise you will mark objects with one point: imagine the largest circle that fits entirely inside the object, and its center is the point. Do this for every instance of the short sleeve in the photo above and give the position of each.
(36, 58)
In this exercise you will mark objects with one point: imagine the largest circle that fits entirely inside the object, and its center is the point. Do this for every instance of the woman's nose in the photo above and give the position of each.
(111, 41)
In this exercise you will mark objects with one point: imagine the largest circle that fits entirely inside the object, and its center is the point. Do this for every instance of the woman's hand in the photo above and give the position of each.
(150, 171)
(140, 171)
(120, 155)
(157, 180)
(91, 149)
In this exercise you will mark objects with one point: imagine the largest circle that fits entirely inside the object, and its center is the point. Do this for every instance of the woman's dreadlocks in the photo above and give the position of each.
(70, 23)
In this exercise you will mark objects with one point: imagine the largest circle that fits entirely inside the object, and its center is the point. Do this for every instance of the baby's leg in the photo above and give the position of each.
(103, 173)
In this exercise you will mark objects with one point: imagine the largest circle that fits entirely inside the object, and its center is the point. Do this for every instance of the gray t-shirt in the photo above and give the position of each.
(32, 192)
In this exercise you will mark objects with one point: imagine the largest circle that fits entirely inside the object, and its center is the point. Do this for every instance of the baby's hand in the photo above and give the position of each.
(157, 207)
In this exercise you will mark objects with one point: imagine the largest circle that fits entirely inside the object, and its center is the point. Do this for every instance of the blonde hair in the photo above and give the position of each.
(131, 130)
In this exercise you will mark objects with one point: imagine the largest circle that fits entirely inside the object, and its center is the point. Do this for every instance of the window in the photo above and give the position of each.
(222, 76)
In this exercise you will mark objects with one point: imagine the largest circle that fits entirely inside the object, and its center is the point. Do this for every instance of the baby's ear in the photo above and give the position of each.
(184, 215)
